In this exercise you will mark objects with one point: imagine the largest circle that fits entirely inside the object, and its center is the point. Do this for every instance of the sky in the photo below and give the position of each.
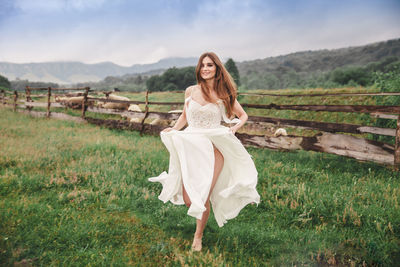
(128, 32)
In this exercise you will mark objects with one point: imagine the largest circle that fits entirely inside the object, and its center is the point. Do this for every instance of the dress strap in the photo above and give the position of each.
(189, 97)
(191, 92)
(187, 100)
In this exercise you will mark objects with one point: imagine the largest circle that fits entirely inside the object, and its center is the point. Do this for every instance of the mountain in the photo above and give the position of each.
(306, 68)
(301, 67)
(324, 60)
(318, 68)
(76, 72)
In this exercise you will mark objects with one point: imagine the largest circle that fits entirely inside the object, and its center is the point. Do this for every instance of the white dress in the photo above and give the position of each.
(192, 163)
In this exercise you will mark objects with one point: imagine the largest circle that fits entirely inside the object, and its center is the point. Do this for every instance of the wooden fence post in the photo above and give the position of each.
(4, 97)
(28, 98)
(48, 101)
(397, 146)
(15, 100)
(84, 102)
(146, 112)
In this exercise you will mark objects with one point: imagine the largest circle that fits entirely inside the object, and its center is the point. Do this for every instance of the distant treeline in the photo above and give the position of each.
(326, 69)
(175, 79)
(180, 78)
(20, 85)
(341, 76)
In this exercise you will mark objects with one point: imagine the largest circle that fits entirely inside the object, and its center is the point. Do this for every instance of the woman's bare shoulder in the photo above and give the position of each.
(192, 87)
(190, 90)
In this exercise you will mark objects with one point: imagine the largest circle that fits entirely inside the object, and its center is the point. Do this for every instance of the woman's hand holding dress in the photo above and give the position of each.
(233, 129)
(166, 130)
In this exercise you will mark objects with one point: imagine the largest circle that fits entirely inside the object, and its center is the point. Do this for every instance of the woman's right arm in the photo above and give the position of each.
(181, 122)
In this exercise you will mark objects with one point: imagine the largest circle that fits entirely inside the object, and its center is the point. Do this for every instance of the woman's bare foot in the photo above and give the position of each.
(196, 245)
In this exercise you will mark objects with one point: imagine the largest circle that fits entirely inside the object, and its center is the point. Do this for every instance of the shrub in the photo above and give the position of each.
(387, 82)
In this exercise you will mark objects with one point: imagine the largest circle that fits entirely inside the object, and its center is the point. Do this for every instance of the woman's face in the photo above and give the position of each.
(208, 69)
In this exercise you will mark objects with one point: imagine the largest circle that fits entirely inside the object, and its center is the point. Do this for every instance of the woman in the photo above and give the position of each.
(207, 162)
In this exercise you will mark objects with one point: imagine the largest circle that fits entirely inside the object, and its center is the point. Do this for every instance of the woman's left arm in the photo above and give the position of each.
(241, 114)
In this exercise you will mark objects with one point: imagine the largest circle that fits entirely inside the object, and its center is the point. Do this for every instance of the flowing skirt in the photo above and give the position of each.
(192, 163)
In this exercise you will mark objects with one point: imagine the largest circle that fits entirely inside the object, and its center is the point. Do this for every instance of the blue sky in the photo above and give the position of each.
(130, 32)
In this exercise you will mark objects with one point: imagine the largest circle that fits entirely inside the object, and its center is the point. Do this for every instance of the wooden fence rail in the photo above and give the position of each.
(314, 95)
(327, 94)
(328, 108)
(311, 125)
(56, 89)
(330, 140)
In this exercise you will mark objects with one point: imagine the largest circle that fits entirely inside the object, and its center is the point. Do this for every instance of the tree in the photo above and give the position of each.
(172, 79)
(155, 83)
(4, 82)
(233, 71)
(358, 75)
(271, 81)
(171, 76)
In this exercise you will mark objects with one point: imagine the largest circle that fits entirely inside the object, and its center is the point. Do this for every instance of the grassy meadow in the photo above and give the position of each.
(75, 194)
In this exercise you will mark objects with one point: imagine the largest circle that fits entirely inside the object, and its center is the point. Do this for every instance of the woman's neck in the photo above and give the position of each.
(210, 84)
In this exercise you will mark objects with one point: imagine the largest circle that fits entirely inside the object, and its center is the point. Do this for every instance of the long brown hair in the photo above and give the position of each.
(224, 85)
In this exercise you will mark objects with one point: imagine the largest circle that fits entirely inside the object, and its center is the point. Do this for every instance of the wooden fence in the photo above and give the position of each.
(331, 138)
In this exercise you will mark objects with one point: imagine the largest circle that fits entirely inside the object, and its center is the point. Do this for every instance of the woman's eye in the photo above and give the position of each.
(208, 65)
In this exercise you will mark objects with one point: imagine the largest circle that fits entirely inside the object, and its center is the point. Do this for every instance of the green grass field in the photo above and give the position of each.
(75, 194)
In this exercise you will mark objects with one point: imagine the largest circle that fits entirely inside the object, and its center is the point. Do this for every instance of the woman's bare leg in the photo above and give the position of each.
(186, 198)
(201, 224)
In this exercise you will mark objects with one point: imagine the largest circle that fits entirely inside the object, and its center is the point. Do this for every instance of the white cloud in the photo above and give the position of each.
(240, 29)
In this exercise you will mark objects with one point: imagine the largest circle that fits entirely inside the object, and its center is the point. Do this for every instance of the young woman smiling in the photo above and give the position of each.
(208, 164)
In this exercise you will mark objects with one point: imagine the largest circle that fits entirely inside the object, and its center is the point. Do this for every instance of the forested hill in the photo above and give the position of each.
(311, 67)
(324, 68)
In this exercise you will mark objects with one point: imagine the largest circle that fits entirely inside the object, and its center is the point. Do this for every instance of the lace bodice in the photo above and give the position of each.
(206, 116)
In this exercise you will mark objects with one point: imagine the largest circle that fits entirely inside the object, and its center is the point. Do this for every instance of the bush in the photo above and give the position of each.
(351, 75)
(387, 82)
